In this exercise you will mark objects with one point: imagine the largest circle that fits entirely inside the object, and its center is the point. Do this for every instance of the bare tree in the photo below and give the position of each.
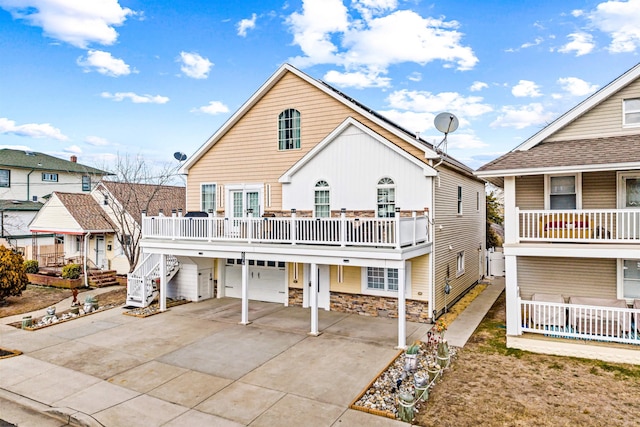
(137, 186)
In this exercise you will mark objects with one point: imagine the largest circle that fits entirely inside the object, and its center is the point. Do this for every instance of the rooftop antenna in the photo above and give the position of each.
(445, 123)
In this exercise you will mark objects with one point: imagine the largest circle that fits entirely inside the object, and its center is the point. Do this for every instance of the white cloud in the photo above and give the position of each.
(135, 98)
(465, 140)
(357, 79)
(213, 108)
(415, 76)
(520, 117)
(581, 44)
(77, 22)
(621, 20)
(536, 42)
(423, 101)
(104, 63)
(246, 24)
(194, 65)
(576, 87)
(478, 86)
(526, 88)
(73, 149)
(327, 33)
(31, 130)
(97, 141)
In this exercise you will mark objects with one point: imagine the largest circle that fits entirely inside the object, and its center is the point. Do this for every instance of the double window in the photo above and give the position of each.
(207, 197)
(631, 112)
(5, 178)
(321, 200)
(49, 177)
(289, 130)
(386, 198)
(382, 279)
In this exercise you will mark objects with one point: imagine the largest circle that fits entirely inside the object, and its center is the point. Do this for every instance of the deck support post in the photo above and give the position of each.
(162, 298)
(245, 291)
(402, 309)
(313, 298)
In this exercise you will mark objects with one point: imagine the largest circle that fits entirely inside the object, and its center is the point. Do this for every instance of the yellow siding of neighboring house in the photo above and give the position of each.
(603, 120)
(464, 232)
(585, 277)
(248, 152)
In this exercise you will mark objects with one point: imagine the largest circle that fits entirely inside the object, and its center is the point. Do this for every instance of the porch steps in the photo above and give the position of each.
(102, 278)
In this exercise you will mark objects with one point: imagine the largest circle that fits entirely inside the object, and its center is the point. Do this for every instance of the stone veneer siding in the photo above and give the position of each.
(369, 305)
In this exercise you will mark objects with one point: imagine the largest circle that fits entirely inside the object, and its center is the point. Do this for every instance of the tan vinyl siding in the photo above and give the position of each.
(599, 190)
(420, 277)
(530, 192)
(248, 152)
(603, 120)
(464, 232)
(586, 277)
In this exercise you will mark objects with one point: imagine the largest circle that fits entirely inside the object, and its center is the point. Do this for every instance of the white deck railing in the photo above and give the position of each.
(577, 321)
(598, 226)
(378, 232)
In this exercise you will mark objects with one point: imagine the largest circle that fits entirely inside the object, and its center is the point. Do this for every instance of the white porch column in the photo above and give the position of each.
(162, 298)
(245, 291)
(511, 293)
(402, 309)
(313, 298)
(511, 219)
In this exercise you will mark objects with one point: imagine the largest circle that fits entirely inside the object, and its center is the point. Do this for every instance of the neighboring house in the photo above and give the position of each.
(27, 178)
(572, 229)
(104, 226)
(305, 197)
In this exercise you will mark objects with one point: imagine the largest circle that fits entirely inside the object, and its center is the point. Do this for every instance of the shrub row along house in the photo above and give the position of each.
(572, 228)
(306, 197)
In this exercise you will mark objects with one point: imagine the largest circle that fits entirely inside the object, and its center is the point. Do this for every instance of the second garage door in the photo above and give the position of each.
(266, 280)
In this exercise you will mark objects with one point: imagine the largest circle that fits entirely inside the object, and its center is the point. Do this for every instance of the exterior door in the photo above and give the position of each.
(323, 284)
(101, 260)
(205, 282)
(628, 223)
(242, 200)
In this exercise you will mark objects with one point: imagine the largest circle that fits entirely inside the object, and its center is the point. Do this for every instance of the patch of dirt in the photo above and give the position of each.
(491, 385)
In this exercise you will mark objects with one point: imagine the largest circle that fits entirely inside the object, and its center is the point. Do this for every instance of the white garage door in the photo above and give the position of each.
(266, 280)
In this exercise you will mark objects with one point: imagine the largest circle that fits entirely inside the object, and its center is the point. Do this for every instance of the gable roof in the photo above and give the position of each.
(350, 121)
(40, 161)
(404, 134)
(135, 198)
(82, 208)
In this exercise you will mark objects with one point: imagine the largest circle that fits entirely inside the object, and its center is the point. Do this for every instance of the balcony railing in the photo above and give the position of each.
(578, 321)
(343, 231)
(597, 226)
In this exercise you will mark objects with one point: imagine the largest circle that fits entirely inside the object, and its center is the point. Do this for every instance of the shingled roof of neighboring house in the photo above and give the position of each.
(562, 154)
(86, 211)
(40, 161)
(135, 198)
(19, 205)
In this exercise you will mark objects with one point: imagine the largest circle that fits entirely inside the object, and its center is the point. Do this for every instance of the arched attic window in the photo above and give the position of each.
(386, 198)
(321, 205)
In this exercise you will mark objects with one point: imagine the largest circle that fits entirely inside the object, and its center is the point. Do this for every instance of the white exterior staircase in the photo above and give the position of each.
(143, 284)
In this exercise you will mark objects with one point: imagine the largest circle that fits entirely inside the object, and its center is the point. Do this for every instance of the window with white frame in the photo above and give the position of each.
(5, 178)
(563, 192)
(86, 183)
(459, 200)
(49, 177)
(289, 129)
(321, 200)
(631, 108)
(631, 278)
(386, 198)
(460, 264)
(382, 279)
(207, 197)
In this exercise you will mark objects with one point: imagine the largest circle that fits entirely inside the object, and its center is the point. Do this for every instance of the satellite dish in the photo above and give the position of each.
(446, 123)
(179, 156)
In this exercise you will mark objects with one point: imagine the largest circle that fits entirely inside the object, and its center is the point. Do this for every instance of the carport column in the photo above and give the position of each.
(313, 299)
(163, 282)
(245, 291)
(402, 310)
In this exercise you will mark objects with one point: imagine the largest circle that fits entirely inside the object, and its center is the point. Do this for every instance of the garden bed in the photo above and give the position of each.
(54, 281)
(154, 308)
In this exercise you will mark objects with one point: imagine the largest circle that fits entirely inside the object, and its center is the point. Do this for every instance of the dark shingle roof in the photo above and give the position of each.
(150, 197)
(40, 161)
(580, 152)
(86, 211)
(19, 205)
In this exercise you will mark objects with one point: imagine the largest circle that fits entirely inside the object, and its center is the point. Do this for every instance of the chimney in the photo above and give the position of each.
(74, 159)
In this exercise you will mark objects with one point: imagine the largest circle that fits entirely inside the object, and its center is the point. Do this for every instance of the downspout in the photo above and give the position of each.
(28, 195)
(86, 251)
(432, 303)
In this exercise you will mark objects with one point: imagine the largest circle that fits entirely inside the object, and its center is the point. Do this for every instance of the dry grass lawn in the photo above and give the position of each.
(490, 385)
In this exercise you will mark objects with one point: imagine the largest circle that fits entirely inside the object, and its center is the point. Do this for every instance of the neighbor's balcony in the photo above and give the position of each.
(585, 226)
(394, 233)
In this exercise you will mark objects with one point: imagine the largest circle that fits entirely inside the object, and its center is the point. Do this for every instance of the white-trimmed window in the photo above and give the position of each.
(563, 192)
(289, 129)
(384, 281)
(49, 177)
(5, 178)
(460, 264)
(86, 183)
(459, 200)
(386, 198)
(631, 112)
(321, 204)
(630, 275)
(207, 197)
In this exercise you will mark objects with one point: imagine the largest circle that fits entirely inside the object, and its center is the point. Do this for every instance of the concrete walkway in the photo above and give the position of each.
(195, 365)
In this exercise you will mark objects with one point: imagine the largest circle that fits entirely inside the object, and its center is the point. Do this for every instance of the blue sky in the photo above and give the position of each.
(98, 78)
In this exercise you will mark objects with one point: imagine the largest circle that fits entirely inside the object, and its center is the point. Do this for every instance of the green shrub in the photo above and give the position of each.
(71, 271)
(13, 279)
(31, 266)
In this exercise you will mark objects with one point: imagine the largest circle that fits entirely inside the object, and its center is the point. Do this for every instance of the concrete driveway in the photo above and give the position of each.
(195, 365)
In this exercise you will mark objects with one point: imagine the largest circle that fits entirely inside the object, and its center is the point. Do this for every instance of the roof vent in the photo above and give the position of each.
(29, 153)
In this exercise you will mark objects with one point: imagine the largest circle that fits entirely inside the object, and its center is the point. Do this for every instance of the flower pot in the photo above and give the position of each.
(421, 383)
(27, 322)
(51, 310)
(410, 362)
(443, 355)
(405, 406)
